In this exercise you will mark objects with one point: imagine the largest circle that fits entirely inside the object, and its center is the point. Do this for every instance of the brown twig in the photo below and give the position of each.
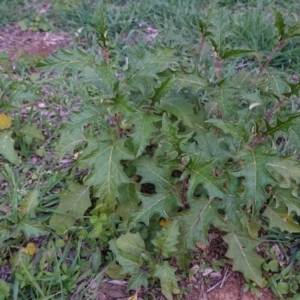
(227, 267)
(201, 44)
(220, 282)
(279, 45)
(117, 122)
(105, 54)
(269, 114)
(218, 66)
(203, 293)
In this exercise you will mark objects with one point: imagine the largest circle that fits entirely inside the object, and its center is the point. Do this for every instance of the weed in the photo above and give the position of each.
(187, 120)
(35, 23)
(10, 11)
(221, 133)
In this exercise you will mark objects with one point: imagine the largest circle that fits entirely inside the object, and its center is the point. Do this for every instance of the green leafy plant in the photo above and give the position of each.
(176, 133)
(36, 23)
(10, 11)
(198, 144)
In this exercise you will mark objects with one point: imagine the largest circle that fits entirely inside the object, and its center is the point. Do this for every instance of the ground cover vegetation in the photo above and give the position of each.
(182, 119)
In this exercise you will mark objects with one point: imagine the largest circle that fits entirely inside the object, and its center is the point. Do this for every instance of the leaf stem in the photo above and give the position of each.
(279, 45)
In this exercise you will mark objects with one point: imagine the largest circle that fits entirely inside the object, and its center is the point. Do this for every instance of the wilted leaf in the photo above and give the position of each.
(134, 297)
(30, 249)
(115, 272)
(164, 222)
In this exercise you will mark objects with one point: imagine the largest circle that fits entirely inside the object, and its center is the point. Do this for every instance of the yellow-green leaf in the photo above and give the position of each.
(30, 249)
(134, 297)
(5, 121)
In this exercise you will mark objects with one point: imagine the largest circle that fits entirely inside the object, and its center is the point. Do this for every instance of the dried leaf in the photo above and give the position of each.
(5, 121)
(134, 297)
(30, 249)
(164, 222)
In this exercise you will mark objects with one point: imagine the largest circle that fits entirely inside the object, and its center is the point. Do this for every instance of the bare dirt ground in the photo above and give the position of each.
(232, 289)
(226, 285)
(17, 42)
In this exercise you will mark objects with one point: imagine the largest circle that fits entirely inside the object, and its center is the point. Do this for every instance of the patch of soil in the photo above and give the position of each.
(16, 42)
(232, 289)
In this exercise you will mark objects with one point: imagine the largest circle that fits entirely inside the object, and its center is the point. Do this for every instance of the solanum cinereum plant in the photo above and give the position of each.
(175, 144)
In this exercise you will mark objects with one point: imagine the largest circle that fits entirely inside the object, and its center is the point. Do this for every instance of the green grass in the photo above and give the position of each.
(11, 11)
(73, 261)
